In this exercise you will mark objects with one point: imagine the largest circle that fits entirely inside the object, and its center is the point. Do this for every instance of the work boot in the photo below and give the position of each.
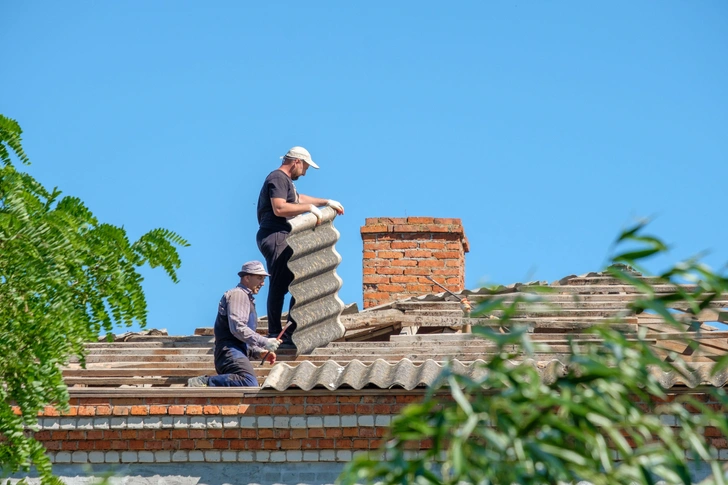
(200, 381)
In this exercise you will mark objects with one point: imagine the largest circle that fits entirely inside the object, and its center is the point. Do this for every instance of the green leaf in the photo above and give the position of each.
(632, 256)
(63, 277)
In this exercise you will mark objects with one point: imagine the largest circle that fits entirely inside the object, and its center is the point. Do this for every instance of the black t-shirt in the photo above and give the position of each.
(277, 185)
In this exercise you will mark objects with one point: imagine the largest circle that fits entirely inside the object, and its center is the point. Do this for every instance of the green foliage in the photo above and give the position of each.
(604, 419)
(64, 277)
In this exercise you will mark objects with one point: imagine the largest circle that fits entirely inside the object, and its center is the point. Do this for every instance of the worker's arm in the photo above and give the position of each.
(281, 208)
(307, 199)
(238, 313)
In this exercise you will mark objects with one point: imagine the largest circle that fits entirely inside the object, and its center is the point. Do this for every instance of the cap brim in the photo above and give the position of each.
(241, 273)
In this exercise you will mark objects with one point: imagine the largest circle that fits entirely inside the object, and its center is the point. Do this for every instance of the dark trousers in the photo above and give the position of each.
(275, 250)
(233, 367)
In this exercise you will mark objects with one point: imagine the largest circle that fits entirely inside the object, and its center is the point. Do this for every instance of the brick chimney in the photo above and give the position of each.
(399, 252)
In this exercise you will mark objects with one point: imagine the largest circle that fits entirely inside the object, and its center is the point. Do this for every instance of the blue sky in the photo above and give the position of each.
(545, 126)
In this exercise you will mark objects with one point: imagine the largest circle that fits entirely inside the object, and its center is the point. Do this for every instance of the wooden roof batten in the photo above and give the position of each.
(437, 333)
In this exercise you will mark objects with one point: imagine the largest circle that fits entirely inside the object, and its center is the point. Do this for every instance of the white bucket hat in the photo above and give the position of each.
(253, 267)
(300, 153)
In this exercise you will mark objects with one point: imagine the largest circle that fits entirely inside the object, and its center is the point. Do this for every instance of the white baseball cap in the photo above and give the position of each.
(301, 153)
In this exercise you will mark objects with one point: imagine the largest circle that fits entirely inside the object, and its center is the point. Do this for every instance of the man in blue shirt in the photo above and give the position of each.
(279, 201)
(236, 339)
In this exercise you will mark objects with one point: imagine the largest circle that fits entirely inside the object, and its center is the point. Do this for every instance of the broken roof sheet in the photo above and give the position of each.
(315, 283)
(587, 298)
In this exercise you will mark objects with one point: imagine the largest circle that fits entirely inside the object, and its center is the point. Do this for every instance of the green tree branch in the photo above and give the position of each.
(64, 278)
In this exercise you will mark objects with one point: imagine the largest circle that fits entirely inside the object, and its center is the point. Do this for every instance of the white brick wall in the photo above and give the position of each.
(102, 423)
(96, 457)
(294, 455)
(208, 456)
(213, 422)
(213, 456)
(196, 456)
(348, 421)
(281, 422)
(79, 457)
(146, 457)
(230, 422)
(278, 456)
(181, 422)
(134, 422)
(162, 456)
(179, 455)
(298, 422)
(198, 422)
(366, 420)
(207, 422)
(129, 457)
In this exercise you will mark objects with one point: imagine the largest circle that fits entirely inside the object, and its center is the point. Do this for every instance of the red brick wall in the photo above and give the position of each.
(399, 252)
(333, 422)
(316, 427)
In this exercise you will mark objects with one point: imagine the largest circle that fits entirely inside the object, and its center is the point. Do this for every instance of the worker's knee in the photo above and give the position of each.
(232, 380)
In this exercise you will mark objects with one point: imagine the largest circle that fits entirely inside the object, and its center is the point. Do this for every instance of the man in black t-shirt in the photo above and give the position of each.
(279, 201)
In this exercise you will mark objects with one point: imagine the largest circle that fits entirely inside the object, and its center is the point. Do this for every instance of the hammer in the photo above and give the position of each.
(280, 335)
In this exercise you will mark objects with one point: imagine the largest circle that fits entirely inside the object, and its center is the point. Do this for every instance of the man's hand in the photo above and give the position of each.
(271, 345)
(315, 211)
(336, 206)
(271, 358)
(465, 305)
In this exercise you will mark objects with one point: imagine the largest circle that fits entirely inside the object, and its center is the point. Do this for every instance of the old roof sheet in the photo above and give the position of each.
(380, 373)
(408, 375)
(571, 305)
(591, 297)
(405, 343)
(315, 284)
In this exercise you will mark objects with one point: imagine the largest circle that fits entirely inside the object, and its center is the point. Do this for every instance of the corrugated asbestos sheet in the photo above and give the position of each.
(408, 375)
(315, 283)
(357, 375)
